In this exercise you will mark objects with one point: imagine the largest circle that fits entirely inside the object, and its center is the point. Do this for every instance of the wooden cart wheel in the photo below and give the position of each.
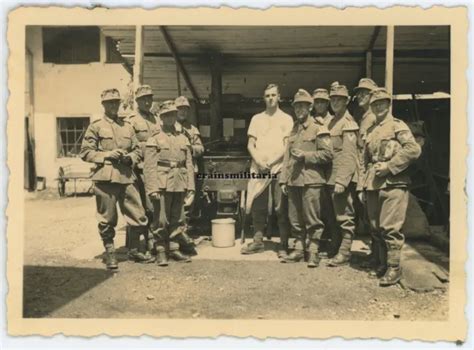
(61, 187)
(61, 182)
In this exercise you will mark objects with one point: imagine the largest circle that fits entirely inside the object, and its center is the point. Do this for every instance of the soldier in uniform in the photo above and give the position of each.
(389, 149)
(321, 103)
(342, 176)
(197, 148)
(362, 92)
(145, 123)
(321, 113)
(169, 176)
(111, 144)
(302, 178)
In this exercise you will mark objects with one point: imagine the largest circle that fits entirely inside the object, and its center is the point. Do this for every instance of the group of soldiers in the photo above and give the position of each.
(325, 165)
(146, 164)
(328, 164)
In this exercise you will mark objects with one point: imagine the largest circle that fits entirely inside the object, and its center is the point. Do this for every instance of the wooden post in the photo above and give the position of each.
(389, 58)
(368, 64)
(216, 98)
(138, 65)
(178, 80)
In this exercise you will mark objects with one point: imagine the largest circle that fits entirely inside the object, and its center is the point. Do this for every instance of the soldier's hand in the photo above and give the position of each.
(361, 196)
(381, 169)
(297, 153)
(127, 160)
(261, 165)
(188, 200)
(284, 189)
(115, 154)
(338, 188)
(155, 196)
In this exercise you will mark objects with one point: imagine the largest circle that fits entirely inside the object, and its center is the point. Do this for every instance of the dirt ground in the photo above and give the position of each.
(64, 278)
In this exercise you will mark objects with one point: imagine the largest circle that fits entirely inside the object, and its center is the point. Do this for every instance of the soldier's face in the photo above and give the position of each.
(302, 110)
(271, 96)
(169, 119)
(144, 103)
(111, 107)
(339, 103)
(321, 106)
(380, 108)
(363, 97)
(183, 112)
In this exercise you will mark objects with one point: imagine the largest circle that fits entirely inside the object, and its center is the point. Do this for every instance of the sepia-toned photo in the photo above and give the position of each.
(228, 172)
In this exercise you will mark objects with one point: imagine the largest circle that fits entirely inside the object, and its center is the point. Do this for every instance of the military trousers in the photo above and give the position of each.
(387, 211)
(107, 195)
(331, 228)
(167, 224)
(260, 210)
(343, 205)
(304, 209)
(146, 201)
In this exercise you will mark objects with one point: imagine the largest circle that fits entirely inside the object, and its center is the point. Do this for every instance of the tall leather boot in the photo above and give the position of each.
(343, 257)
(373, 259)
(134, 253)
(110, 258)
(161, 258)
(394, 272)
(382, 267)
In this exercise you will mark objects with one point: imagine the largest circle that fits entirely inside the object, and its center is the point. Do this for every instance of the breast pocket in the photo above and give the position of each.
(309, 143)
(336, 142)
(142, 134)
(106, 139)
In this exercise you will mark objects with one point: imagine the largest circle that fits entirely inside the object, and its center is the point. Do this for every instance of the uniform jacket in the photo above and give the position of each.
(145, 125)
(105, 135)
(165, 146)
(345, 163)
(367, 120)
(194, 137)
(312, 137)
(389, 141)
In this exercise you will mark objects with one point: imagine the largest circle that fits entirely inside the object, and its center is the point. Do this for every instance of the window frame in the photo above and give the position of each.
(51, 59)
(60, 154)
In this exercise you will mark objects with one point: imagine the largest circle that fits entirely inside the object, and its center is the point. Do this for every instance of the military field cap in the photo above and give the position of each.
(338, 90)
(167, 107)
(143, 90)
(322, 94)
(366, 83)
(380, 94)
(110, 95)
(302, 96)
(181, 101)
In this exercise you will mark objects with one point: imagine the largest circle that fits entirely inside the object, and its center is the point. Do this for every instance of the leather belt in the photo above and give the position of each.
(172, 164)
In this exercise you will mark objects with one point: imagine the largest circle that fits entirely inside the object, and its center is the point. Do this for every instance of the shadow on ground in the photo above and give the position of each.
(47, 288)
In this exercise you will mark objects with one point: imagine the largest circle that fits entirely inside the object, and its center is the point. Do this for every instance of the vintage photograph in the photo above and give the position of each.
(237, 172)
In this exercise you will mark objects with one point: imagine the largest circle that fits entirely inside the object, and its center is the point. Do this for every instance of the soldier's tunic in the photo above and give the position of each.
(344, 171)
(305, 180)
(389, 141)
(168, 169)
(194, 137)
(367, 120)
(114, 181)
(197, 148)
(145, 125)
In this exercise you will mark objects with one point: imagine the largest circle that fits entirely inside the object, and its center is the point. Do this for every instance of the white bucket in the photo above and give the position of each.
(223, 233)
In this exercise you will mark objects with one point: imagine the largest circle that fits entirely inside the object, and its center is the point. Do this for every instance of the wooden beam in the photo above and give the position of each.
(389, 58)
(368, 64)
(138, 65)
(215, 65)
(373, 38)
(179, 63)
